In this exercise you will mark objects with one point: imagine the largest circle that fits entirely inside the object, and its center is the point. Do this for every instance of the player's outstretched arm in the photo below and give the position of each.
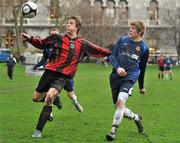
(25, 37)
(95, 50)
(36, 42)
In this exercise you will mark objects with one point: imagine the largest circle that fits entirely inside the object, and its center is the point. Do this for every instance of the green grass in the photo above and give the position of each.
(159, 108)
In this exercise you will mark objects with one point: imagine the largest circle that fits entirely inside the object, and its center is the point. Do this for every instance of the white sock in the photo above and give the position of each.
(128, 113)
(74, 99)
(166, 76)
(118, 116)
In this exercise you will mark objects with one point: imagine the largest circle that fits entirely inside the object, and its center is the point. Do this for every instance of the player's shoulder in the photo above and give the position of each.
(83, 41)
(54, 37)
(144, 45)
(123, 38)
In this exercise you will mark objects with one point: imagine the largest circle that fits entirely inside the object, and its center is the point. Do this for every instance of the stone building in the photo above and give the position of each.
(103, 20)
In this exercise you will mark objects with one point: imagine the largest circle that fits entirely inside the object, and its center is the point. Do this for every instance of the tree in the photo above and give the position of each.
(65, 9)
(18, 25)
(101, 24)
(172, 18)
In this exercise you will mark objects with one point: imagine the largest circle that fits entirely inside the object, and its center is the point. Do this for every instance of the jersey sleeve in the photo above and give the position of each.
(113, 57)
(48, 42)
(95, 50)
(143, 63)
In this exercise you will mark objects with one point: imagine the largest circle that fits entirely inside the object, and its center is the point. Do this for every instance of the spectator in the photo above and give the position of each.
(11, 61)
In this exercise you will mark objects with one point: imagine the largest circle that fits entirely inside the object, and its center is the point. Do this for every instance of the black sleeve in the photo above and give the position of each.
(142, 65)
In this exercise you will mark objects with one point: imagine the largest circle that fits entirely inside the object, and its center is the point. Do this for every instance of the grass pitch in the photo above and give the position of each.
(159, 108)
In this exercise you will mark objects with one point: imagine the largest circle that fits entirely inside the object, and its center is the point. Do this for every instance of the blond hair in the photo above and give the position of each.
(140, 26)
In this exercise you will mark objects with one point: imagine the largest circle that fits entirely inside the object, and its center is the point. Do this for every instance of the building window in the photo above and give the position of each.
(109, 10)
(84, 9)
(123, 9)
(153, 10)
(10, 39)
(97, 9)
(54, 9)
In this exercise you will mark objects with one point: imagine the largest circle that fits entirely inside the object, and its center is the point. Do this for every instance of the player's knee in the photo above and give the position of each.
(35, 100)
(48, 99)
(122, 98)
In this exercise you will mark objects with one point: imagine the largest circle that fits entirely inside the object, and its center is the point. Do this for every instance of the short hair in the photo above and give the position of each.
(78, 22)
(140, 26)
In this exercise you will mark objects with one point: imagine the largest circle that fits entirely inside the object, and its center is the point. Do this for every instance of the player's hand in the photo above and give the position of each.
(121, 72)
(142, 91)
(34, 68)
(25, 37)
(109, 46)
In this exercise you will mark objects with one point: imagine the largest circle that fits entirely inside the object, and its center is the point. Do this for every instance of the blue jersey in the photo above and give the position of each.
(44, 59)
(132, 56)
(168, 62)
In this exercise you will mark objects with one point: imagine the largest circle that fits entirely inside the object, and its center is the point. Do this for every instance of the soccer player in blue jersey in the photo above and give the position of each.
(129, 58)
(168, 67)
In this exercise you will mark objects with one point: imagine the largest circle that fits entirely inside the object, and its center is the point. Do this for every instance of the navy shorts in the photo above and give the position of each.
(51, 79)
(69, 86)
(167, 68)
(118, 85)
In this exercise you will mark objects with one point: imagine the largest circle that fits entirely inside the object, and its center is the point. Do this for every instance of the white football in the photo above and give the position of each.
(29, 9)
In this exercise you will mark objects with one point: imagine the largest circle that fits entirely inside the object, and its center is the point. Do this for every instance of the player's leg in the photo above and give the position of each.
(46, 111)
(69, 87)
(74, 99)
(162, 72)
(170, 74)
(9, 73)
(57, 102)
(159, 74)
(137, 119)
(54, 87)
(118, 115)
(119, 98)
(39, 96)
(167, 72)
(115, 84)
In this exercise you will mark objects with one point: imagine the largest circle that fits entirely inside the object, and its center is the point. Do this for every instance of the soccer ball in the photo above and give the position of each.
(29, 9)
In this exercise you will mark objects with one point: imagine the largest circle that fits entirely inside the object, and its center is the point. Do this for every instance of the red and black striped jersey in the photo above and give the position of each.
(161, 62)
(67, 52)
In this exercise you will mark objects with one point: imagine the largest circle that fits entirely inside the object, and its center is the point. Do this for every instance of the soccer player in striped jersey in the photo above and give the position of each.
(160, 63)
(68, 50)
(69, 87)
(129, 58)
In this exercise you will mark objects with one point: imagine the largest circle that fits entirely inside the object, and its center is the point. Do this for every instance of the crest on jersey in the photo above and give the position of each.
(72, 46)
(138, 48)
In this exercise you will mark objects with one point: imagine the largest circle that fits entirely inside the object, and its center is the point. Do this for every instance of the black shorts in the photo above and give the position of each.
(51, 79)
(167, 68)
(161, 68)
(69, 86)
(118, 85)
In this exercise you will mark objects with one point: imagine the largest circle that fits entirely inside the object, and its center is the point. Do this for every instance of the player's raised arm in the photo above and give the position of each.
(36, 42)
(95, 50)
